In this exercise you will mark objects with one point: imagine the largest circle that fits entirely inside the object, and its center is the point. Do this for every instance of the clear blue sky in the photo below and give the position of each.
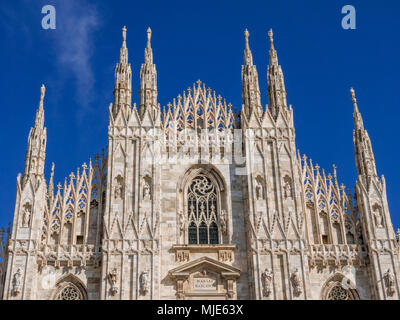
(199, 40)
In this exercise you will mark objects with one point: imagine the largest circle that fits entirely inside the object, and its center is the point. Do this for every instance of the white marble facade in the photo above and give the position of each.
(198, 201)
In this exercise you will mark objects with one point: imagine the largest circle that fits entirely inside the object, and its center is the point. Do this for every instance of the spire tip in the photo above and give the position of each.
(271, 35)
(353, 95)
(124, 33)
(42, 92)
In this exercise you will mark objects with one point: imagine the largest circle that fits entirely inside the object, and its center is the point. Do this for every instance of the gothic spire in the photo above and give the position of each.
(364, 156)
(358, 121)
(276, 84)
(250, 86)
(36, 150)
(123, 79)
(123, 56)
(148, 55)
(273, 56)
(248, 57)
(148, 80)
(39, 120)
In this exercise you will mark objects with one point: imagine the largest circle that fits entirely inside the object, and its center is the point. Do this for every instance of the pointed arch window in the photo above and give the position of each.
(202, 211)
(70, 292)
(70, 288)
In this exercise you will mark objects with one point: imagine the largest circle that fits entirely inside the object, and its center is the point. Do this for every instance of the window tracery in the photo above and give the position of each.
(69, 292)
(338, 293)
(203, 210)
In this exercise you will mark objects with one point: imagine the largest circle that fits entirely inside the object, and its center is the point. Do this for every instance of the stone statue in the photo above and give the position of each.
(26, 218)
(259, 191)
(378, 217)
(119, 188)
(287, 188)
(146, 190)
(389, 282)
(17, 282)
(113, 275)
(296, 281)
(144, 282)
(267, 281)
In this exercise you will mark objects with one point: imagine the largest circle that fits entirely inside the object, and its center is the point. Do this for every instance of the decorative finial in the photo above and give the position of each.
(124, 34)
(271, 37)
(246, 37)
(148, 36)
(42, 93)
(353, 95)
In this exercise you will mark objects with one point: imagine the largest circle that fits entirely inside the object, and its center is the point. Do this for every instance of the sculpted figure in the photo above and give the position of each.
(144, 282)
(267, 281)
(378, 217)
(259, 190)
(287, 188)
(389, 281)
(26, 218)
(17, 282)
(296, 281)
(114, 279)
(146, 190)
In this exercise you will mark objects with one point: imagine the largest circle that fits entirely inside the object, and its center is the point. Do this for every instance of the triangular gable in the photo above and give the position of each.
(202, 262)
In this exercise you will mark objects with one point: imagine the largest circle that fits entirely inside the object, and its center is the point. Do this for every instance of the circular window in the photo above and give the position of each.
(338, 293)
(69, 293)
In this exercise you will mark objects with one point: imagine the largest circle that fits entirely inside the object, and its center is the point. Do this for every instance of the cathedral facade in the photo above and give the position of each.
(198, 201)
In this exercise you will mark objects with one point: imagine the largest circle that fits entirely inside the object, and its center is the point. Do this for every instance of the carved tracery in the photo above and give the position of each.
(203, 210)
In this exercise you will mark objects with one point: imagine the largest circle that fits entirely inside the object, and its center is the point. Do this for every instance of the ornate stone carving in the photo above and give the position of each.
(223, 221)
(17, 282)
(181, 222)
(376, 209)
(113, 276)
(287, 187)
(390, 282)
(267, 277)
(119, 187)
(259, 189)
(146, 182)
(225, 255)
(182, 255)
(297, 283)
(26, 215)
(144, 283)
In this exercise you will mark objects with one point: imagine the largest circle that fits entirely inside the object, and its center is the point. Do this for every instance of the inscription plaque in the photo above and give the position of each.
(202, 284)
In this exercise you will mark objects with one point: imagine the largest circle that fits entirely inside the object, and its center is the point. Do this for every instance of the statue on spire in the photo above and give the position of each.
(271, 37)
(124, 34)
(276, 84)
(149, 37)
(42, 92)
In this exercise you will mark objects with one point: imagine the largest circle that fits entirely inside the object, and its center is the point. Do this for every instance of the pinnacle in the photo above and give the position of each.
(271, 37)
(124, 34)
(148, 37)
(353, 95)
